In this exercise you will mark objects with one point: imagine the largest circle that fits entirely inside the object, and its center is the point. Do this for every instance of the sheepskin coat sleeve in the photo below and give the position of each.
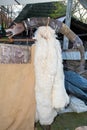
(49, 85)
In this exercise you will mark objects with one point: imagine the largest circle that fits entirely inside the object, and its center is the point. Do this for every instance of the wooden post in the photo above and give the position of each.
(67, 22)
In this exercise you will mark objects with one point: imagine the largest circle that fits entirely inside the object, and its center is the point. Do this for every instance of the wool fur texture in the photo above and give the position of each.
(51, 95)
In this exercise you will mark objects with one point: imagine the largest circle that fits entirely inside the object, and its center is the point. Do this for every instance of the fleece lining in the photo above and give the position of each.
(49, 86)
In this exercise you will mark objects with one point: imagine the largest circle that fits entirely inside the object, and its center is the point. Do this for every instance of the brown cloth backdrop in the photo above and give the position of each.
(17, 97)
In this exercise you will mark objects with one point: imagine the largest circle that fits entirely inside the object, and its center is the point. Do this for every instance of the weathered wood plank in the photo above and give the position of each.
(14, 54)
(67, 22)
(72, 55)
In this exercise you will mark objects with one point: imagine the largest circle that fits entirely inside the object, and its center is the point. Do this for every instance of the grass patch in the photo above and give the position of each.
(68, 121)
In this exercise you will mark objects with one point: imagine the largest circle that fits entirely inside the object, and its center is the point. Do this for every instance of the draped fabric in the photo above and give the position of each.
(17, 97)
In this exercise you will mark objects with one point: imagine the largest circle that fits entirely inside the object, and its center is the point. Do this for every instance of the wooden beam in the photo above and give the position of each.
(68, 21)
(17, 40)
(72, 55)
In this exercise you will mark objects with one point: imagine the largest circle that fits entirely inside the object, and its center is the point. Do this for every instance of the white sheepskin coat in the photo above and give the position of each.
(50, 91)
